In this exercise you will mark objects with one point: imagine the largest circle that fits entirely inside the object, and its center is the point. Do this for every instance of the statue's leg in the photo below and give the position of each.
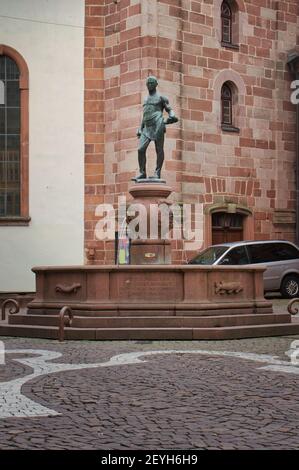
(143, 144)
(159, 143)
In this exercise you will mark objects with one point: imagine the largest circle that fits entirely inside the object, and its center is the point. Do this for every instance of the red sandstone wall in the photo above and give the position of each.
(123, 51)
(179, 41)
(256, 167)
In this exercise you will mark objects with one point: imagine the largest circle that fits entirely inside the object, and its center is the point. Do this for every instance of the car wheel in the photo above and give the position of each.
(290, 287)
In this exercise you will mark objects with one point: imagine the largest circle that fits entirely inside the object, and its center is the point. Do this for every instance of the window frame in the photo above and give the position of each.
(23, 219)
(233, 102)
(230, 19)
(230, 101)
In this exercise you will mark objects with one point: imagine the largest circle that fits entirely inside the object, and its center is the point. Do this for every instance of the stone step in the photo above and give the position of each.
(252, 331)
(157, 310)
(153, 322)
(29, 331)
(230, 332)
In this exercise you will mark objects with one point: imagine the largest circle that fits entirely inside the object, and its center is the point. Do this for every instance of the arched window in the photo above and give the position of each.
(13, 138)
(226, 23)
(10, 139)
(226, 105)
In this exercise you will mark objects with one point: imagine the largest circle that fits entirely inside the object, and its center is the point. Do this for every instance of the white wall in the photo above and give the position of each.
(49, 34)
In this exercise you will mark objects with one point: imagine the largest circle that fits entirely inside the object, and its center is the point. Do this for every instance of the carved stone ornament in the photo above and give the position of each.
(291, 309)
(14, 307)
(68, 289)
(228, 288)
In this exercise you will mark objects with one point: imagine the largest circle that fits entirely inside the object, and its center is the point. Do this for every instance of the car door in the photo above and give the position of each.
(262, 253)
(270, 254)
(287, 260)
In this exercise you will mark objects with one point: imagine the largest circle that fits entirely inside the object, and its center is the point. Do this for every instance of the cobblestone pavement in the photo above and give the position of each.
(167, 401)
(279, 304)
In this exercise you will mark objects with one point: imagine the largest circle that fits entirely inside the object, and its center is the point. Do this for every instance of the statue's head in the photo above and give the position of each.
(151, 83)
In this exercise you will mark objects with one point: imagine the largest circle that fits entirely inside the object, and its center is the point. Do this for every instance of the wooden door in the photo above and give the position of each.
(226, 228)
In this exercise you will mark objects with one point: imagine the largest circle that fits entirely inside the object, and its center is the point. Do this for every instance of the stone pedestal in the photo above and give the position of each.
(152, 194)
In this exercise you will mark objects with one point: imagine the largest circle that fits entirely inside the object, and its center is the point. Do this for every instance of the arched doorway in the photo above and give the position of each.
(227, 222)
(227, 227)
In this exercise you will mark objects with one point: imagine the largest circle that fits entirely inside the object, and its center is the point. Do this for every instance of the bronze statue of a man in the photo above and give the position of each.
(153, 127)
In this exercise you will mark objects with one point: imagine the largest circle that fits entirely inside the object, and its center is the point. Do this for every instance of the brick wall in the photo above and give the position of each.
(254, 168)
(179, 41)
(123, 52)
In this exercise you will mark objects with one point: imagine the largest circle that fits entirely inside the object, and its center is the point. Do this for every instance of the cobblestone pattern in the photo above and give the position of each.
(177, 401)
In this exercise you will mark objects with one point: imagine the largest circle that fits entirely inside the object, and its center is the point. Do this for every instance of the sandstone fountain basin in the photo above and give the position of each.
(151, 302)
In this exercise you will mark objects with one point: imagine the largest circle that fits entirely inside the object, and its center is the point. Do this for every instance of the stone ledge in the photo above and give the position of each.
(15, 221)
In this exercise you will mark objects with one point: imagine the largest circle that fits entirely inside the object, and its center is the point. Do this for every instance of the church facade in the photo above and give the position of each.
(73, 82)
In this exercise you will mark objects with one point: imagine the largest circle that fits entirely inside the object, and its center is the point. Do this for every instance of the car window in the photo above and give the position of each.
(209, 256)
(262, 253)
(269, 252)
(284, 251)
(237, 255)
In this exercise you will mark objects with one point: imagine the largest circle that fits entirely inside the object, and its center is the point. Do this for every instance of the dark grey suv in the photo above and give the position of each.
(281, 258)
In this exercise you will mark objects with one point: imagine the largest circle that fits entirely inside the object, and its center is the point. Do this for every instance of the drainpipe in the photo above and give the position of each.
(293, 63)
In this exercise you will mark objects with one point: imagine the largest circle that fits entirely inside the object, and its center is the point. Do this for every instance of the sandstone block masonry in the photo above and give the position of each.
(248, 166)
